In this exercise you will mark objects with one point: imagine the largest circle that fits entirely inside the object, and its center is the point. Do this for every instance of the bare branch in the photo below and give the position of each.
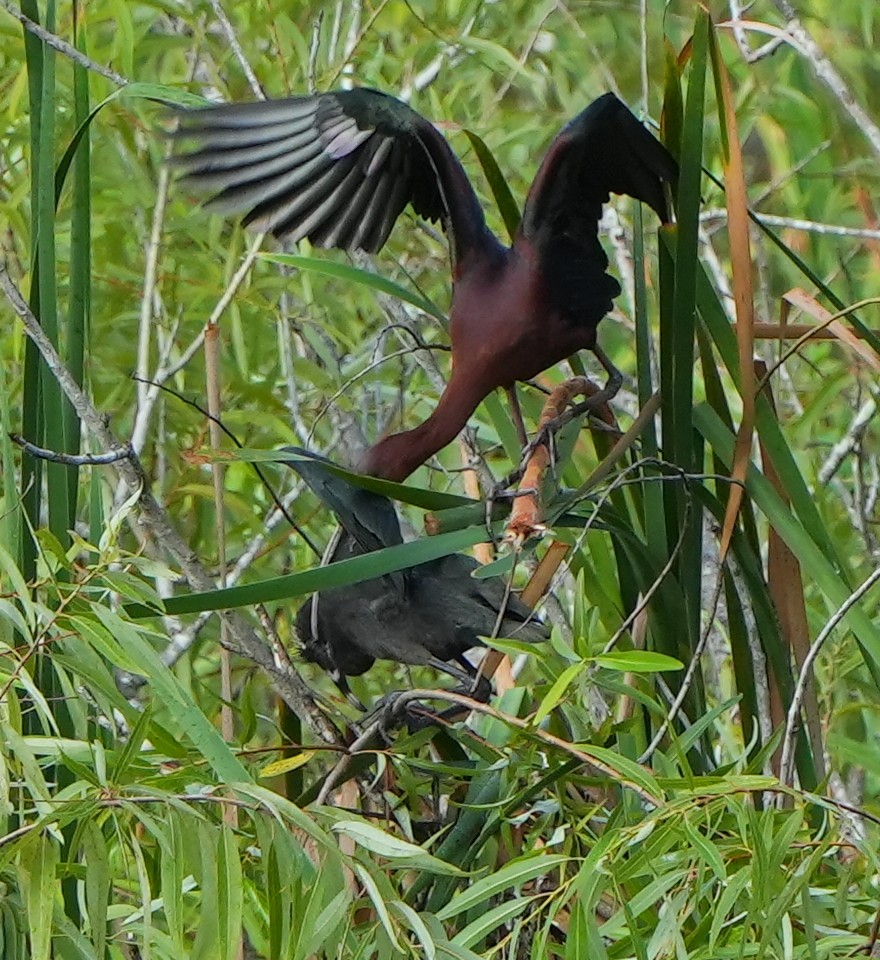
(70, 459)
(62, 46)
(792, 223)
(226, 26)
(849, 441)
(797, 36)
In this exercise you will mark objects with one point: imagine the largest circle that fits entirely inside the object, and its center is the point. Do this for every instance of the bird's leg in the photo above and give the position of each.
(450, 670)
(479, 686)
(500, 490)
(595, 398)
(612, 384)
(516, 413)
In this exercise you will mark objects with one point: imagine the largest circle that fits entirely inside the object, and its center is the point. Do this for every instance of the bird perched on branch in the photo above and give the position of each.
(427, 615)
(338, 168)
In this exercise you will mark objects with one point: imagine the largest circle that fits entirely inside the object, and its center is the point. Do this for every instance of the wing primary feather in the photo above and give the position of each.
(210, 137)
(242, 156)
(344, 229)
(321, 218)
(281, 215)
(395, 202)
(237, 116)
(274, 162)
(364, 234)
(268, 189)
(346, 141)
(290, 162)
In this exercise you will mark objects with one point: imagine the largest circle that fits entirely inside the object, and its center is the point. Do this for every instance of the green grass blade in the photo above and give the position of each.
(507, 205)
(80, 266)
(344, 271)
(31, 414)
(321, 578)
(53, 403)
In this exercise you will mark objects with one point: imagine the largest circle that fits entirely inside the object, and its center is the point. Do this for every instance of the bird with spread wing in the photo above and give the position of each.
(338, 168)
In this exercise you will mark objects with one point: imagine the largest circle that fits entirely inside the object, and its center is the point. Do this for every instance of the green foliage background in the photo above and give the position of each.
(493, 839)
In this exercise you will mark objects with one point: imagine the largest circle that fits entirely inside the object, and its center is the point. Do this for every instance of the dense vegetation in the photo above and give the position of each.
(662, 778)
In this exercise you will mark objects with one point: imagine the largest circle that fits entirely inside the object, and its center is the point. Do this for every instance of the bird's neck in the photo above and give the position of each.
(397, 456)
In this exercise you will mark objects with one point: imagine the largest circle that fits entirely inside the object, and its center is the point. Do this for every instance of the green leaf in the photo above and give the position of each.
(637, 661)
(97, 885)
(230, 894)
(393, 848)
(511, 875)
(379, 903)
(321, 578)
(507, 205)
(364, 278)
(488, 921)
(559, 689)
(187, 716)
(42, 888)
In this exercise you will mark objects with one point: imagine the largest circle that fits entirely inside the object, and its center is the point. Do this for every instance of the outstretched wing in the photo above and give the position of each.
(370, 519)
(604, 150)
(337, 168)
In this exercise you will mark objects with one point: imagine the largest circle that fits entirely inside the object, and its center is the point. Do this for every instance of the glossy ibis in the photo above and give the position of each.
(338, 168)
(426, 615)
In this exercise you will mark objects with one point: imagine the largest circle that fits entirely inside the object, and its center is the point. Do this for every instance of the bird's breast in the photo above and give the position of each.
(510, 323)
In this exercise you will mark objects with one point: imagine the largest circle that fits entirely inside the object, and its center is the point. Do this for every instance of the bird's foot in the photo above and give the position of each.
(525, 518)
(480, 690)
(396, 709)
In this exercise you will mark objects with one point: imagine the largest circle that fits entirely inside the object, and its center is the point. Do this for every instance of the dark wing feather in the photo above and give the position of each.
(604, 150)
(366, 516)
(337, 168)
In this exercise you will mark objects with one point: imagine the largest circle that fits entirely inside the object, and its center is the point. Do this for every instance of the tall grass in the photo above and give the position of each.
(607, 805)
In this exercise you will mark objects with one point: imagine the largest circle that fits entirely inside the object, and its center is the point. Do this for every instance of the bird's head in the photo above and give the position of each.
(312, 648)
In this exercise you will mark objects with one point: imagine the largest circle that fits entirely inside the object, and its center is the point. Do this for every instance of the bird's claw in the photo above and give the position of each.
(394, 709)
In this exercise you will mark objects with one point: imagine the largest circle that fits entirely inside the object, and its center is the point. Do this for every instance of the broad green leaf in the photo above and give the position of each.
(511, 875)
(187, 716)
(637, 661)
(490, 920)
(321, 578)
(230, 890)
(386, 845)
(42, 889)
(344, 271)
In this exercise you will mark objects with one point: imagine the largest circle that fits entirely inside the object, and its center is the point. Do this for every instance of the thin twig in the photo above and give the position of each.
(183, 637)
(690, 673)
(279, 504)
(802, 40)
(401, 701)
(786, 765)
(69, 459)
(848, 442)
(62, 46)
(165, 371)
(793, 223)
(148, 295)
(226, 26)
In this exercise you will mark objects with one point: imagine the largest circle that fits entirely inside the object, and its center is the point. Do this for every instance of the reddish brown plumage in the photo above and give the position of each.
(339, 167)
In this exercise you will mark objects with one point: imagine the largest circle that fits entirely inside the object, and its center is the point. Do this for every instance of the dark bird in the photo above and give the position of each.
(429, 615)
(338, 168)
